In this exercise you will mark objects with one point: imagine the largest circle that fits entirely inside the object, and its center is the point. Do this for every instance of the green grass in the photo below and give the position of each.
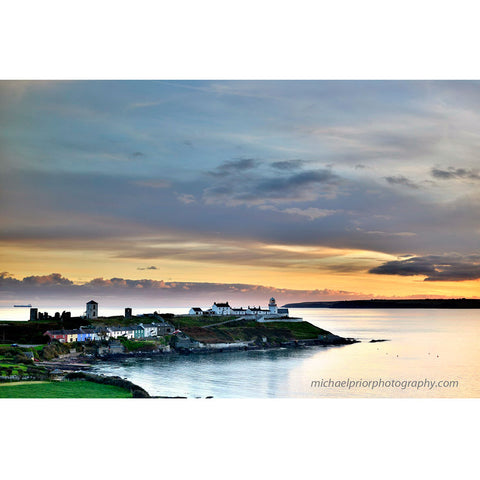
(67, 389)
(13, 365)
(182, 321)
(245, 330)
(300, 330)
(113, 321)
(133, 345)
(37, 348)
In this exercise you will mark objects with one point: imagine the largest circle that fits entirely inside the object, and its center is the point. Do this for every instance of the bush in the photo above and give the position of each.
(22, 359)
(54, 349)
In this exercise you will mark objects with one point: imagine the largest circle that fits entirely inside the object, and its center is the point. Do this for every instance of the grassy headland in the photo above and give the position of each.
(199, 328)
(68, 389)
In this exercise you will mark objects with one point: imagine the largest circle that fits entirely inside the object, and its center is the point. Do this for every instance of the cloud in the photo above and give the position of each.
(311, 212)
(387, 234)
(54, 279)
(115, 291)
(436, 268)
(233, 167)
(401, 180)
(147, 268)
(261, 189)
(287, 164)
(62, 186)
(36, 281)
(7, 280)
(453, 173)
(121, 283)
(186, 198)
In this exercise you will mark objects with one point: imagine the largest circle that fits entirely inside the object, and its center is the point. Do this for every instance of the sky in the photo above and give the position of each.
(202, 191)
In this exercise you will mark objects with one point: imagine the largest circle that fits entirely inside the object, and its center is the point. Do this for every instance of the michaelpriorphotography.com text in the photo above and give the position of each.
(350, 383)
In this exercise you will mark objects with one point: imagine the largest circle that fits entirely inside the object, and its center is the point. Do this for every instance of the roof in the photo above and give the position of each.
(92, 302)
(55, 332)
(221, 304)
(197, 309)
(119, 329)
(149, 325)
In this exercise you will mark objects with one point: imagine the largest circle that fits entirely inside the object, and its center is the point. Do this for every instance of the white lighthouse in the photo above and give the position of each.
(272, 306)
(92, 309)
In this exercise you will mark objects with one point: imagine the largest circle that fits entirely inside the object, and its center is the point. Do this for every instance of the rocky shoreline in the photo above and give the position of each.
(76, 366)
(333, 340)
(327, 341)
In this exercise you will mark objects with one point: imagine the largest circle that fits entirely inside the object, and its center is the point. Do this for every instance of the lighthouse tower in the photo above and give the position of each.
(272, 306)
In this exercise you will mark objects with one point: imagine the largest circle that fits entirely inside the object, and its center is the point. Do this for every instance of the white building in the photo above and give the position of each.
(150, 329)
(221, 309)
(92, 309)
(115, 332)
(259, 313)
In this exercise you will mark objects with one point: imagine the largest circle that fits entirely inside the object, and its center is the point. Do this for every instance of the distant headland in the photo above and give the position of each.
(406, 303)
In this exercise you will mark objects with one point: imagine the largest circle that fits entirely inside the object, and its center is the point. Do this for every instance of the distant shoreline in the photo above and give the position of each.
(447, 303)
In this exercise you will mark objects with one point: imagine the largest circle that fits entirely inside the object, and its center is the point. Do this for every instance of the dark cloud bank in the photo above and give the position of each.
(435, 268)
(452, 173)
(120, 291)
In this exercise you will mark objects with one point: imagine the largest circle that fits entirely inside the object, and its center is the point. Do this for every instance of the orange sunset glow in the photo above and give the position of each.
(208, 188)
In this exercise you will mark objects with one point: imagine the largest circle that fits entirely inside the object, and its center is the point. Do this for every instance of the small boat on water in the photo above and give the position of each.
(23, 306)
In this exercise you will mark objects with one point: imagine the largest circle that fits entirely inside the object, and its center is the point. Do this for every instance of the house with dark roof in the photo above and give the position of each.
(272, 312)
(221, 308)
(164, 328)
(115, 332)
(239, 311)
(195, 311)
(72, 335)
(87, 335)
(138, 331)
(149, 329)
(59, 335)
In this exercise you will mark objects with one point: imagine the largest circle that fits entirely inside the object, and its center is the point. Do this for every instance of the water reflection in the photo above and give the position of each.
(423, 344)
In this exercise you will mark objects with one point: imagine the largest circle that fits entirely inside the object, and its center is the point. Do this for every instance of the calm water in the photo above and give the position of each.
(424, 344)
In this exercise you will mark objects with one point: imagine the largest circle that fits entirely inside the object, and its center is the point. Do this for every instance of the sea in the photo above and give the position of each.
(427, 353)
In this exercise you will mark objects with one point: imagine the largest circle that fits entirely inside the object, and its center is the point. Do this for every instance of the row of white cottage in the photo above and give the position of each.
(226, 309)
(85, 334)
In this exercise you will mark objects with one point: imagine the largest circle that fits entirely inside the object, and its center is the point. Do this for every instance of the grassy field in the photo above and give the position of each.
(244, 330)
(183, 321)
(72, 389)
(145, 345)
